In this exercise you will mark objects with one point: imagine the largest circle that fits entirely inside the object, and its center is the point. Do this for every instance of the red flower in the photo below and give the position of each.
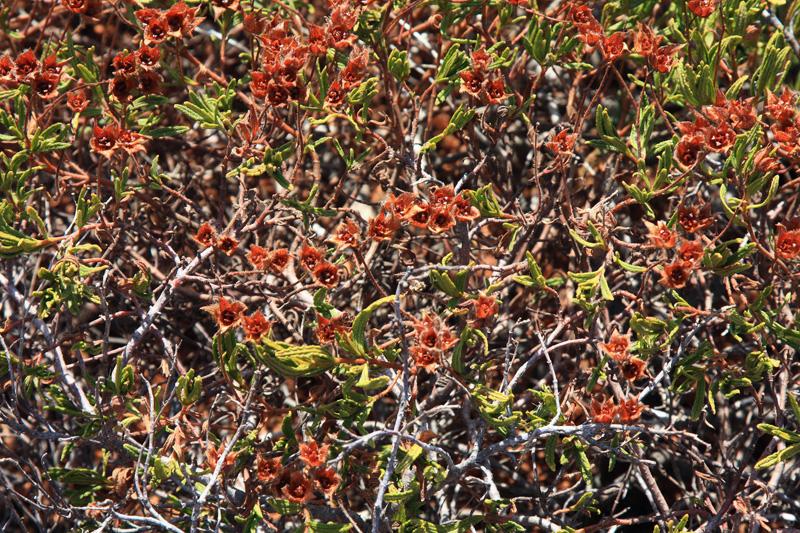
(121, 87)
(694, 218)
(206, 236)
(660, 235)
(630, 410)
(702, 8)
(312, 454)
(614, 46)
(484, 306)
(676, 274)
(787, 245)
(421, 216)
(227, 313)
(277, 94)
(347, 234)
(691, 252)
(310, 257)
(632, 368)
(472, 82)
(721, 138)
(149, 82)
(562, 142)
(148, 56)
(663, 58)
(463, 209)
(424, 358)
(382, 227)
(259, 84)
(227, 245)
(156, 30)
(124, 63)
(295, 487)
(781, 109)
(76, 6)
(645, 42)
(258, 256)
(441, 220)
(404, 206)
(440, 197)
(617, 346)
(278, 260)
(326, 274)
(603, 413)
(255, 326)
(77, 100)
(45, 85)
(327, 481)
(104, 140)
(25, 65)
(268, 470)
(181, 20)
(688, 151)
(318, 40)
(131, 141)
(327, 328)
(335, 96)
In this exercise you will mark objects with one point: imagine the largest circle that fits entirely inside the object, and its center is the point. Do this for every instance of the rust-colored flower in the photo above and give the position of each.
(484, 306)
(122, 87)
(495, 90)
(676, 274)
(295, 486)
(148, 56)
(688, 152)
(603, 412)
(382, 227)
(630, 410)
(156, 31)
(694, 218)
(645, 42)
(663, 58)
(613, 46)
(781, 108)
(181, 19)
(787, 244)
(255, 326)
(441, 220)
(421, 216)
(258, 256)
(441, 197)
(149, 82)
(425, 358)
(104, 140)
(312, 454)
(268, 469)
(660, 235)
(259, 84)
(721, 138)
(77, 100)
(214, 453)
(326, 274)
(124, 63)
(335, 95)
(463, 209)
(278, 260)
(310, 257)
(404, 206)
(45, 85)
(632, 368)
(702, 8)
(617, 346)
(327, 328)
(227, 245)
(562, 142)
(472, 82)
(25, 65)
(347, 234)
(327, 480)
(77, 6)
(206, 235)
(691, 252)
(131, 141)
(227, 313)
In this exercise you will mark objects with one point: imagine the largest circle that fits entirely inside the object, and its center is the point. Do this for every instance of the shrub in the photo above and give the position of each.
(424, 265)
